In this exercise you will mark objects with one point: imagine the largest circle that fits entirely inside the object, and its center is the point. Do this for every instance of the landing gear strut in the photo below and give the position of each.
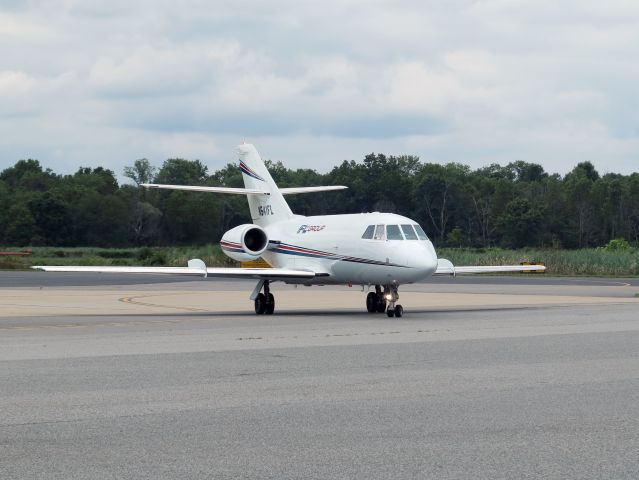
(376, 301)
(265, 302)
(392, 295)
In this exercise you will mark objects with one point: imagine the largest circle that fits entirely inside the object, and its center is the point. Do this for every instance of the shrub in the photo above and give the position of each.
(617, 245)
(11, 263)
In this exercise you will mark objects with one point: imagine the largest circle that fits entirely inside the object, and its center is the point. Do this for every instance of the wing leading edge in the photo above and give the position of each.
(196, 268)
(446, 267)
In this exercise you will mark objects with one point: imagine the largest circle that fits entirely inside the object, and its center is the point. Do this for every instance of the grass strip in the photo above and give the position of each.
(584, 262)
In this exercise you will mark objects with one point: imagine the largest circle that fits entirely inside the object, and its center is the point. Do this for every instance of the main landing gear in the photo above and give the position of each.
(376, 301)
(265, 302)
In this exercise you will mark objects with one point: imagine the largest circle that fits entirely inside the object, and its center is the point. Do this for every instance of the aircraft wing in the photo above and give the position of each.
(196, 268)
(191, 188)
(156, 270)
(263, 273)
(446, 267)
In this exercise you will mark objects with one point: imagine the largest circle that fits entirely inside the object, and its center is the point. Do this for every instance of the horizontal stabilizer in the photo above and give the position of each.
(244, 191)
(294, 190)
(191, 188)
(445, 267)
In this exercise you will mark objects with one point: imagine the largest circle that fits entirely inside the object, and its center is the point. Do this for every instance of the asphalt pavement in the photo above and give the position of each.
(549, 390)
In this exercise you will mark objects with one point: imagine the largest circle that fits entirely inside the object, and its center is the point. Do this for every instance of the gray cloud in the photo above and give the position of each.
(489, 81)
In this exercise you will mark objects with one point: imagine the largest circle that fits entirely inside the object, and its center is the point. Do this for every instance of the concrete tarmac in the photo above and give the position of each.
(494, 377)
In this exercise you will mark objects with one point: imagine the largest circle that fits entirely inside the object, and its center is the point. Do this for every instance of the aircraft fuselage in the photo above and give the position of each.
(334, 244)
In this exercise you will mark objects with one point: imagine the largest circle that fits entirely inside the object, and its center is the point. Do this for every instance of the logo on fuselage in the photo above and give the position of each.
(310, 228)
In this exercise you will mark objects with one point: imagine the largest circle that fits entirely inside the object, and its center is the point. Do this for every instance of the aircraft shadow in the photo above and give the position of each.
(317, 314)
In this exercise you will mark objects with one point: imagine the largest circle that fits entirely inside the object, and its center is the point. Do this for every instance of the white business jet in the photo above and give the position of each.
(383, 250)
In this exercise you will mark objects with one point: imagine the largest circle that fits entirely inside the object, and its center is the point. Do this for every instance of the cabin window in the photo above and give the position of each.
(393, 233)
(379, 232)
(409, 233)
(420, 232)
(368, 233)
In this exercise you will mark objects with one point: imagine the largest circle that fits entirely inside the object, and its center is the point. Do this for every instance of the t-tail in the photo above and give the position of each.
(265, 200)
(268, 208)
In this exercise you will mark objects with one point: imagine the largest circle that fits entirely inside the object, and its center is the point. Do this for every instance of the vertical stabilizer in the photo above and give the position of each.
(265, 209)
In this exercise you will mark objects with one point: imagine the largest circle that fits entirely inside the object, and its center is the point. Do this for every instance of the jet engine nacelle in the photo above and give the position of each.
(244, 242)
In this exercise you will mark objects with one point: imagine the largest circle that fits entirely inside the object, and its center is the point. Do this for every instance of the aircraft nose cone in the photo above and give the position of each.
(425, 260)
(429, 263)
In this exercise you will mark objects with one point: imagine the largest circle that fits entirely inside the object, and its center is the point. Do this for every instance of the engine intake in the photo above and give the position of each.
(255, 240)
(244, 242)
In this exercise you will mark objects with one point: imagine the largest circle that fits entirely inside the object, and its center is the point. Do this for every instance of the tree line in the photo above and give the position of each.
(513, 206)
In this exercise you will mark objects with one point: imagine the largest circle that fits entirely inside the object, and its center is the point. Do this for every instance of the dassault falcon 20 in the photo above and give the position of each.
(383, 250)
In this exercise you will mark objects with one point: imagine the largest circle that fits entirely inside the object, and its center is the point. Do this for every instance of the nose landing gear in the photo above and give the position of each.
(392, 295)
(265, 302)
(376, 301)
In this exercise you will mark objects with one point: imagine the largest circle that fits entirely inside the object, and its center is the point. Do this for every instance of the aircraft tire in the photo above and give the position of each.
(270, 304)
(371, 302)
(260, 304)
(390, 312)
(381, 305)
(399, 311)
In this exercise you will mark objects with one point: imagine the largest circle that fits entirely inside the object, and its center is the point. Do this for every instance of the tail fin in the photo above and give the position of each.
(265, 209)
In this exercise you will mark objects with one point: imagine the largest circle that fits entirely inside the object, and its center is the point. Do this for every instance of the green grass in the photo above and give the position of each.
(590, 261)
(595, 262)
(89, 256)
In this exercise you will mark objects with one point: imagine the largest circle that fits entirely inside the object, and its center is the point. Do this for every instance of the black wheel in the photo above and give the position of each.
(260, 304)
(390, 312)
(381, 304)
(399, 311)
(371, 302)
(270, 304)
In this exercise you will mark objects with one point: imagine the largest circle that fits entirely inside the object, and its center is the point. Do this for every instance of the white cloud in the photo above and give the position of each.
(149, 71)
(14, 83)
(415, 86)
(15, 28)
(91, 83)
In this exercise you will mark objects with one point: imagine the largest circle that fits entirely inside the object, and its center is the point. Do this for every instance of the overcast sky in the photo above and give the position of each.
(313, 83)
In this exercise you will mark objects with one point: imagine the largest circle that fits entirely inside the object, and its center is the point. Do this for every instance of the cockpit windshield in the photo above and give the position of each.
(393, 233)
(368, 233)
(420, 232)
(409, 233)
